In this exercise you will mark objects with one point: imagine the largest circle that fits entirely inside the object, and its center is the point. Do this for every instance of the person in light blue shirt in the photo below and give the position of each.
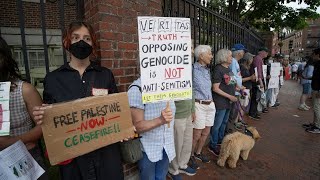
(151, 122)
(204, 106)
(238, 51)
(306, 84)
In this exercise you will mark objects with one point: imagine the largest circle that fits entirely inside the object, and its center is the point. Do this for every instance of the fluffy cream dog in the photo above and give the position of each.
(235, 145)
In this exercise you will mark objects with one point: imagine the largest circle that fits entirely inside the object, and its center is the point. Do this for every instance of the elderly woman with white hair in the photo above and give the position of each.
(204, 105)
(224, 85)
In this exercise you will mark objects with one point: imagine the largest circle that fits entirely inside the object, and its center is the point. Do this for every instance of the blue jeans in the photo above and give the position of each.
(153, 170)
(268, 96)
(219, 126)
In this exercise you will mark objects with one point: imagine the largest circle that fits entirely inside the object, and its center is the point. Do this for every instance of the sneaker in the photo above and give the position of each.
(243, 123)
(277, 104)
(274, 106)
(238, 126)
(214, 151)
(265, 110)
(188, 171)
(307, 125)
(193, 164)
(255, 117)
(303, 108)
(174, 177)
(202, 157)
(306, 106)
(313, 129)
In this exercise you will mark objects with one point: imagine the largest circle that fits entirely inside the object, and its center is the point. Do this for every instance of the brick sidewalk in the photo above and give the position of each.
(285, 151)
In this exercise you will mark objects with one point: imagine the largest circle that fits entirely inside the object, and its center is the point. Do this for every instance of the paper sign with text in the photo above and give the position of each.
(264, 72)
(77, 127)
(18, 164)
(165, 58)
(4, 108)
(274, 73)
(256, 73)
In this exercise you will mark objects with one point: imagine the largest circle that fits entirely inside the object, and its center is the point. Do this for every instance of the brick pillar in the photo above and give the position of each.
(115, 22)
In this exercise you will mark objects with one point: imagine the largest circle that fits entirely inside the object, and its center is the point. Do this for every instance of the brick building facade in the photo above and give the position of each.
(113, 20)
(300, 43)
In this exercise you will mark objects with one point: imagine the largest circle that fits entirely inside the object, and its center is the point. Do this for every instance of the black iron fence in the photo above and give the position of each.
(212, 25)
(33, 29)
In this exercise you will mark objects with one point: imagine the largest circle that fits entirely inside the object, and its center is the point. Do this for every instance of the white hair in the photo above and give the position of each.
(222, 56)
(235, 53)
(201, 49)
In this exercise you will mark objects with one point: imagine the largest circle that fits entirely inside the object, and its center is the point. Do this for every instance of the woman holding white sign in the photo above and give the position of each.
(79, 79)
(23, 97)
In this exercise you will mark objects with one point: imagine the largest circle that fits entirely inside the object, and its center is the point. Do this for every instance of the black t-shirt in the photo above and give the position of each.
(66, 84)
(315, 84)
(246, 73)
(225, 77)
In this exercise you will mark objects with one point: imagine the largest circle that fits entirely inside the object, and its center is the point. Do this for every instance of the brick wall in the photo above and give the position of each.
(10, 17)
(115, 22)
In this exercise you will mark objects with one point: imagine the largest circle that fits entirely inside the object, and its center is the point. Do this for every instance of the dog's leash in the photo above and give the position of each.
(238, 108)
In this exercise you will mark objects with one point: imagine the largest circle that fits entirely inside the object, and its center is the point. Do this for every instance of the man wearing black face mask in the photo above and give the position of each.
(78, 79)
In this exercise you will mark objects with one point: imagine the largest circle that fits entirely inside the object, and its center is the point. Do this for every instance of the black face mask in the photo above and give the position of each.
(80, 50)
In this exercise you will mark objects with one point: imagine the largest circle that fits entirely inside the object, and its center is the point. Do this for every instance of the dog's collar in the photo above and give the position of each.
(248, 133)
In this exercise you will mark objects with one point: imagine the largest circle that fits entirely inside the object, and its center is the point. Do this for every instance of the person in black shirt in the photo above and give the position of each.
(315, 84)
(224, 87)
(74, 80)
(245, 64)
(247, 77)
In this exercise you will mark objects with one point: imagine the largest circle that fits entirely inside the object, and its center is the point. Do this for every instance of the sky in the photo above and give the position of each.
(295, 5)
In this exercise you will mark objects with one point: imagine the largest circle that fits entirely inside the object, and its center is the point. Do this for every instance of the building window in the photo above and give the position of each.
(35, 57)
(309, 33)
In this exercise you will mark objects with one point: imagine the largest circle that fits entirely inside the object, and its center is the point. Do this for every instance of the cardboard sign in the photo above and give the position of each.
(77, 127)
(165, 58)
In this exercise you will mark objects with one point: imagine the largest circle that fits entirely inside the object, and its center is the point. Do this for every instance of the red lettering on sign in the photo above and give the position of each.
(173, 73)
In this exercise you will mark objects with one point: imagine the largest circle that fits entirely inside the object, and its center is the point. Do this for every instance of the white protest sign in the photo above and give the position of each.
(4, 95)
(274, 73)
(273, 82)
(17, 163)
(4, 108)
(165, 58)
(275, 70)
(256, 73)
(264, 72)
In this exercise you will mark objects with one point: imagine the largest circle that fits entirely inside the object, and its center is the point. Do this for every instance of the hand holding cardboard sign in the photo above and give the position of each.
(166, 115)
(38, 112)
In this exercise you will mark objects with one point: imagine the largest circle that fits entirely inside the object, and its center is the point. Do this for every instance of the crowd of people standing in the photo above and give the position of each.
(220, 99)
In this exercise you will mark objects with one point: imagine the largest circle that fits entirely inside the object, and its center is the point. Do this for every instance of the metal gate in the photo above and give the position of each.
(212, 25)
(33, 29)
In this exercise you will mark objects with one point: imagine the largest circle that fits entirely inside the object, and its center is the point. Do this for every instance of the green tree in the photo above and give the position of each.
(266, 14)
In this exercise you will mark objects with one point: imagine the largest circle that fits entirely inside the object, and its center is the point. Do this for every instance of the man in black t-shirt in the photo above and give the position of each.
(315, 84)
